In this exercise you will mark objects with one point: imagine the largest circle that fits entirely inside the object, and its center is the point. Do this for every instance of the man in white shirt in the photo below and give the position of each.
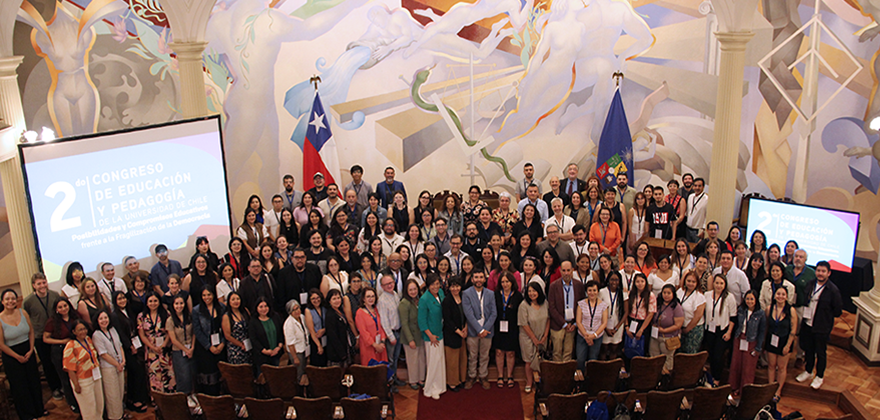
(387, 305)
(532, 197)
(110, 283)
(390, 239)
(737, 282)
(272, 219)
(696, 210)
(579, 245)
(329, 205)
(563, 222)
(455, 255)
(523, 184)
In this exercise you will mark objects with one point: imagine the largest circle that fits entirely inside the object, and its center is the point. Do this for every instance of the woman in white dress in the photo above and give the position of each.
(614, 297)
(662, 276)
(335, 278)
(637, 221)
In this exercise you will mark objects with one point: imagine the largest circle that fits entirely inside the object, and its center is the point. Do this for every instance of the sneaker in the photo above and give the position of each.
(817, 382)
(804, 376)
(398, 382)
(57, 395)
(485, 383)
(436, 396)
(469, 384)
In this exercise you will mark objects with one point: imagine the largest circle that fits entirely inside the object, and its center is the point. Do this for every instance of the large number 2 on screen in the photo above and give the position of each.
(768, 218)
(57, 222)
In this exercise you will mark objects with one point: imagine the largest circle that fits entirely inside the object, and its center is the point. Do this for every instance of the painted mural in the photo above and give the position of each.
(476, 89)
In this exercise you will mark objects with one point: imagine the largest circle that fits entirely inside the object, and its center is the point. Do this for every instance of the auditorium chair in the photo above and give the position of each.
(612, 399)
(565, 406)
(281, 381)
(239, 379)
(709, 403)
(373, 380)
(645, 372)
(325, 382)
(663, 405)
(556, 378)
(687, 369)
(313, 408)
(217, 408)
(273, 409)
(601, 376)
(367, 409)
(171, 406)
(754, 398)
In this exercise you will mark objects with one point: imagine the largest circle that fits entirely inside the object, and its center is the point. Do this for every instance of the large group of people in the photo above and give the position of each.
(334, 277)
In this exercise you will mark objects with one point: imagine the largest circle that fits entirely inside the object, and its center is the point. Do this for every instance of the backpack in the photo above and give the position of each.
(597, 411)
(621, 413)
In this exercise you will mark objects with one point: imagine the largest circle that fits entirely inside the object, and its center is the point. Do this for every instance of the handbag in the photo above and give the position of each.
(673, 343)
(633, 347)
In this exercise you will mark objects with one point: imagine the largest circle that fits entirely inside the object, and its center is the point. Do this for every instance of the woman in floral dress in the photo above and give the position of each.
(155, 340)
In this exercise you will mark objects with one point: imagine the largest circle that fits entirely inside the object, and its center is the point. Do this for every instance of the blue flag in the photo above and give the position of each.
(615, 146)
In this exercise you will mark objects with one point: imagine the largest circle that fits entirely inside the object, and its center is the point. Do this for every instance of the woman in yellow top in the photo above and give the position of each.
(80, 360)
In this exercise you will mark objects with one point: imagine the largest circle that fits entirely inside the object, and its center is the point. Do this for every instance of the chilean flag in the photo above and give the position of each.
(319, 148)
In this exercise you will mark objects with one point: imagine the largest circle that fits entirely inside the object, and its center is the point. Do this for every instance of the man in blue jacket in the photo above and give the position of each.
(386, 189)
(480, 313)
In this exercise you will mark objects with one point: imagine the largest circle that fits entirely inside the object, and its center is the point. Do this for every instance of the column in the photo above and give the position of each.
(725, 143)
(866, 337)
(10, 174)
(192, 82)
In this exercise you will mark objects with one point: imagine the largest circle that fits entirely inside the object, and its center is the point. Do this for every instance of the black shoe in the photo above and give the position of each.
(454, 388)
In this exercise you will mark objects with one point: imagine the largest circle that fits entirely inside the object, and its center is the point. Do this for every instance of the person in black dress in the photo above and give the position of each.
(506, 339)
(337, 331)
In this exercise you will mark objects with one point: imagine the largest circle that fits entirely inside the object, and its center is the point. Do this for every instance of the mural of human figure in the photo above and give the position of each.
(389, 31)
(248, 34)
(65, 43)
(441, 34)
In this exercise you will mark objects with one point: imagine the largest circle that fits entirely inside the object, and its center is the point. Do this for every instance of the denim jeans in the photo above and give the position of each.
(587, 352)
(184, 371)
(393, 352)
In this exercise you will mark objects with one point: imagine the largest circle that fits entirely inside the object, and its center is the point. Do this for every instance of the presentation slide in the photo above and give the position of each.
(825, 234)
(101, 198)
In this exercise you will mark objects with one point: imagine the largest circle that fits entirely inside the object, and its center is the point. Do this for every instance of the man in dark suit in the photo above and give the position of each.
(295, 280)
(572, 184)
(395, 269)
(823, 305)
(257, 284)
(562, 298)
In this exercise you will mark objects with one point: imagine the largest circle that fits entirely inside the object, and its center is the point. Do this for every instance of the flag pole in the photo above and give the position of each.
(616, 76)
(315, 79)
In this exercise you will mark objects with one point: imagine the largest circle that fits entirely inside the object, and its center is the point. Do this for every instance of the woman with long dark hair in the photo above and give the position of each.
(667, 321)
(314, 222)
(203, 248)
(252, 232)
(91, 300)
(340, 227)
(614, 297)
(124, 320)
(235, 330)
(410, 335)
(199, 277)
(642, 306)
(470, 209)
(719, 324)
(550, 268)
(210, 347)
(524, 247)
(790, 247)
(180, 330)
(452, 214)
(154, 337)
(530, 224)
(337, 348)
(315, 322)
(73, 280)
(591, 318)
(755, 272)
(455, 335)
(750, 333)
(506, 338)
(57, 333)
(237, 258)
(302, 213)
(267, 336)
(694, 305)
(370, 230)
(112, 362)
(782, 325)
(288, 228)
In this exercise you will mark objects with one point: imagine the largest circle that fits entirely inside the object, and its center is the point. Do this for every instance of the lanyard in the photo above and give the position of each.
(375, 320)
(505, 300)
(110, 285)
(91, 357)
(613, 298)
(639, 304)
(339, 282)
(140, 296)
(112, 343)
(629, 280)
(604, 232)
(357, 188)
(44, 305)
(715, 304)
(817, 291)
(290, 198)
(697, 201)
(592, 312)
(663, 307)
(580, 249)
(567, 289)
(687, 296)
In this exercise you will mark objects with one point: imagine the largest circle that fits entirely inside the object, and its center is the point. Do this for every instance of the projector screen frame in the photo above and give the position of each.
(22, 162)
(792, 203)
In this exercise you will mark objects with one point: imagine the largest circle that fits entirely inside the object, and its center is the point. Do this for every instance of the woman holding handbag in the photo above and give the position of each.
(642, 306)
(666, 331)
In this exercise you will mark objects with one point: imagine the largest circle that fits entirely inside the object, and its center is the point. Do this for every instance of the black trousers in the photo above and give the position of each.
(716, 346)
(24, 382)
(815, 349)
(52, 375)
(57, 356)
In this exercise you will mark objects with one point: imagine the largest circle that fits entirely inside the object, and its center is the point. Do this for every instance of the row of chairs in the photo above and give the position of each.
(701, 403)
(174, 407)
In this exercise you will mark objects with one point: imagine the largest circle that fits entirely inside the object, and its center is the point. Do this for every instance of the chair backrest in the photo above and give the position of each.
(601, 375)
(688, 368)
(239, 379)
(663, 405)
(846, 417)
(557, 377)
(567, 406)
(370, 380)
(645, 372)
(755, 397)
(709, 403)
(612, 399)
(366, 409)
(313, 408)
(325, 382)
(172, 406)
(273, 409)
(281, 381)
(217, 408)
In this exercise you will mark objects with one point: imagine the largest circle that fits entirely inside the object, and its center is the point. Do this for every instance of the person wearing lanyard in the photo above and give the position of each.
(110, 283)
(606, 233)
(507, 300)
(480, 312)
(81, 364)
(109, 347)
(296, 338)
(455, 255)
(719, 324)
(563, 296)
(39, 307)
(431, 326)
(750, 331)
(824, 305)
(389, 302)
(592, 318)
(696, 213)
(667, 325)
(292, 198)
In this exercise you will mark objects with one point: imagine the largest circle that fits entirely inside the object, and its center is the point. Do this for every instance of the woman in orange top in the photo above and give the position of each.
(644, 260)
(80, 360)
(606, 233)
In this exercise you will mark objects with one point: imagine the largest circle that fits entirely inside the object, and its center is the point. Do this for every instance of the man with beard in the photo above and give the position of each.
(291, 197)
(625, 195)
(295, 280)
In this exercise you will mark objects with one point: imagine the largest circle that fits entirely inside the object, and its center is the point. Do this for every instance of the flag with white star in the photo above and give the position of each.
(319, 148)
(615, 146)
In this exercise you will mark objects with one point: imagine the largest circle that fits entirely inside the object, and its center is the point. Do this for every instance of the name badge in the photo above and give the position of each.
(378, 339)
(503, 326)
(633, 327)
(215, 339)
(743, 345)
(655, 332)
(96, 374)
(569, 314)
(712, 326)
(160, 341)
(658, 233)
(303, 298)
(324, 341)
(136, 342)
(808, 312)
(247, 344)
(774, 340)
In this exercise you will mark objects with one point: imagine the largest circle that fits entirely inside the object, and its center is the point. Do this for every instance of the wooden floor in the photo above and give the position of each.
(845, 372)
